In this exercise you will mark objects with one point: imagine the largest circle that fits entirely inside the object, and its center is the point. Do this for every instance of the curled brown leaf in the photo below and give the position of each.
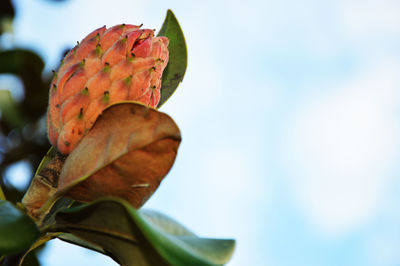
(126, 154)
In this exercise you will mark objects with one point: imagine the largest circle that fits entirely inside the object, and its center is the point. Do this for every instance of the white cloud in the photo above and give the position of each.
(342, 145)
(234, 193)
(202, 86)
(383, 241)
(383, 249)
(363, 18)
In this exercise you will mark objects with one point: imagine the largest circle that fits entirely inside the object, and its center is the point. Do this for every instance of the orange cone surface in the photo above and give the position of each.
(108, 66)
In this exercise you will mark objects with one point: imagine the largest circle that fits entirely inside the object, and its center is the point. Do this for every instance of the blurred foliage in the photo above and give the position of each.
(7, 13)
(22, 121)
(6, 9)
(15, 221)
(22, 129)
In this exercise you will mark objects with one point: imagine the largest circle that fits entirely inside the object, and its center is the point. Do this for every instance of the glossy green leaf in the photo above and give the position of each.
(108, 224)
(176, 67)
(179, 245)
(143, 237)
(61, 203)
(17, 230)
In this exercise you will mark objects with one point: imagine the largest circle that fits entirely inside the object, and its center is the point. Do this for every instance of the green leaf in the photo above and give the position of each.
(108, 224)
(17, 230)
(143, 237)
(184, 247)
(176, 67)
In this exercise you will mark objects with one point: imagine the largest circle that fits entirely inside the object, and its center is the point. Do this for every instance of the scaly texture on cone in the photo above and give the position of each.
(108, 66)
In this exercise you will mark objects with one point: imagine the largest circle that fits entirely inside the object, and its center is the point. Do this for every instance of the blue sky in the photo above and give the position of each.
(289, 117)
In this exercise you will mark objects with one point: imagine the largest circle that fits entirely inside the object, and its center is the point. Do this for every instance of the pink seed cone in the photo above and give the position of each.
(108, 66)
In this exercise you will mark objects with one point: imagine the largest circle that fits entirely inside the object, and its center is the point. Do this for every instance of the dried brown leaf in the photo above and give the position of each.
(126, 154)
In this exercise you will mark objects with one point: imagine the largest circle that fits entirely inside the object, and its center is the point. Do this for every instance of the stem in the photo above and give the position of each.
(45, 209)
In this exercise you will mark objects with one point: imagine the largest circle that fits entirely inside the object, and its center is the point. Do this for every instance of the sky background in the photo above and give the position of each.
(289, 113)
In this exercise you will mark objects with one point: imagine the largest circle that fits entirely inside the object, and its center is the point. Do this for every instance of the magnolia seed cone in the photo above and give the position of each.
(108, 66)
